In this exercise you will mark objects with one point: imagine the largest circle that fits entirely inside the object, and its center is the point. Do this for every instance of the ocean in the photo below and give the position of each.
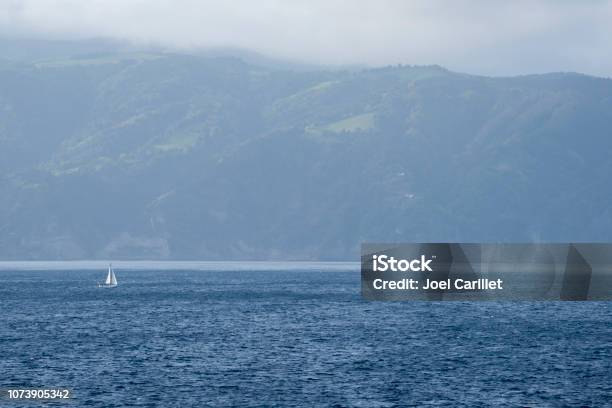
(285, 335)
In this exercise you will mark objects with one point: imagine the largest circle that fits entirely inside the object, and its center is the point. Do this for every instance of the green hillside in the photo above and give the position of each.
(168, 156)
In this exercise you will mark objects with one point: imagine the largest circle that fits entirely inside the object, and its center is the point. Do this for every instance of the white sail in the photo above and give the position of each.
(109, 277)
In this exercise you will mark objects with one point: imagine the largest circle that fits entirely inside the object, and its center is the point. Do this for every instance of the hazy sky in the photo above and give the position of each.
(480, 36)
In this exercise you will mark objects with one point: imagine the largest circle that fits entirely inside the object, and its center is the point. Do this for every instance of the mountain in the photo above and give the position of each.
(156, 155)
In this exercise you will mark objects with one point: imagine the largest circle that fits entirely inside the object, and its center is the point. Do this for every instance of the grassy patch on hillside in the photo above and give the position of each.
(179, 143)
(355, 123)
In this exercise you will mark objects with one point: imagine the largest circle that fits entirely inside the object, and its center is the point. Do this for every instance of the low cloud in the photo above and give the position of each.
(479, 36)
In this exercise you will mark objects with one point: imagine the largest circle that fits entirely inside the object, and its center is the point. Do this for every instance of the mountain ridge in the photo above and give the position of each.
(170, 156)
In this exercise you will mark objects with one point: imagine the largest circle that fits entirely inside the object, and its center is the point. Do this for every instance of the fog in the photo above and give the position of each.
(481, 37)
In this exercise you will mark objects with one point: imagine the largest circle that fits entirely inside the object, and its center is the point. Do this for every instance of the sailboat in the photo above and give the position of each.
(111, 279)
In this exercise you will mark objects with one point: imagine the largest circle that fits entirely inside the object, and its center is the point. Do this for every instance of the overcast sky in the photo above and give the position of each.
(480, 37)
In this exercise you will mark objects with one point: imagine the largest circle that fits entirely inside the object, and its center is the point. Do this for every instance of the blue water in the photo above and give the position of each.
(291, 338)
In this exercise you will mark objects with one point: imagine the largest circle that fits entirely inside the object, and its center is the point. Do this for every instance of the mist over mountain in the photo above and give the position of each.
(157, 155)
